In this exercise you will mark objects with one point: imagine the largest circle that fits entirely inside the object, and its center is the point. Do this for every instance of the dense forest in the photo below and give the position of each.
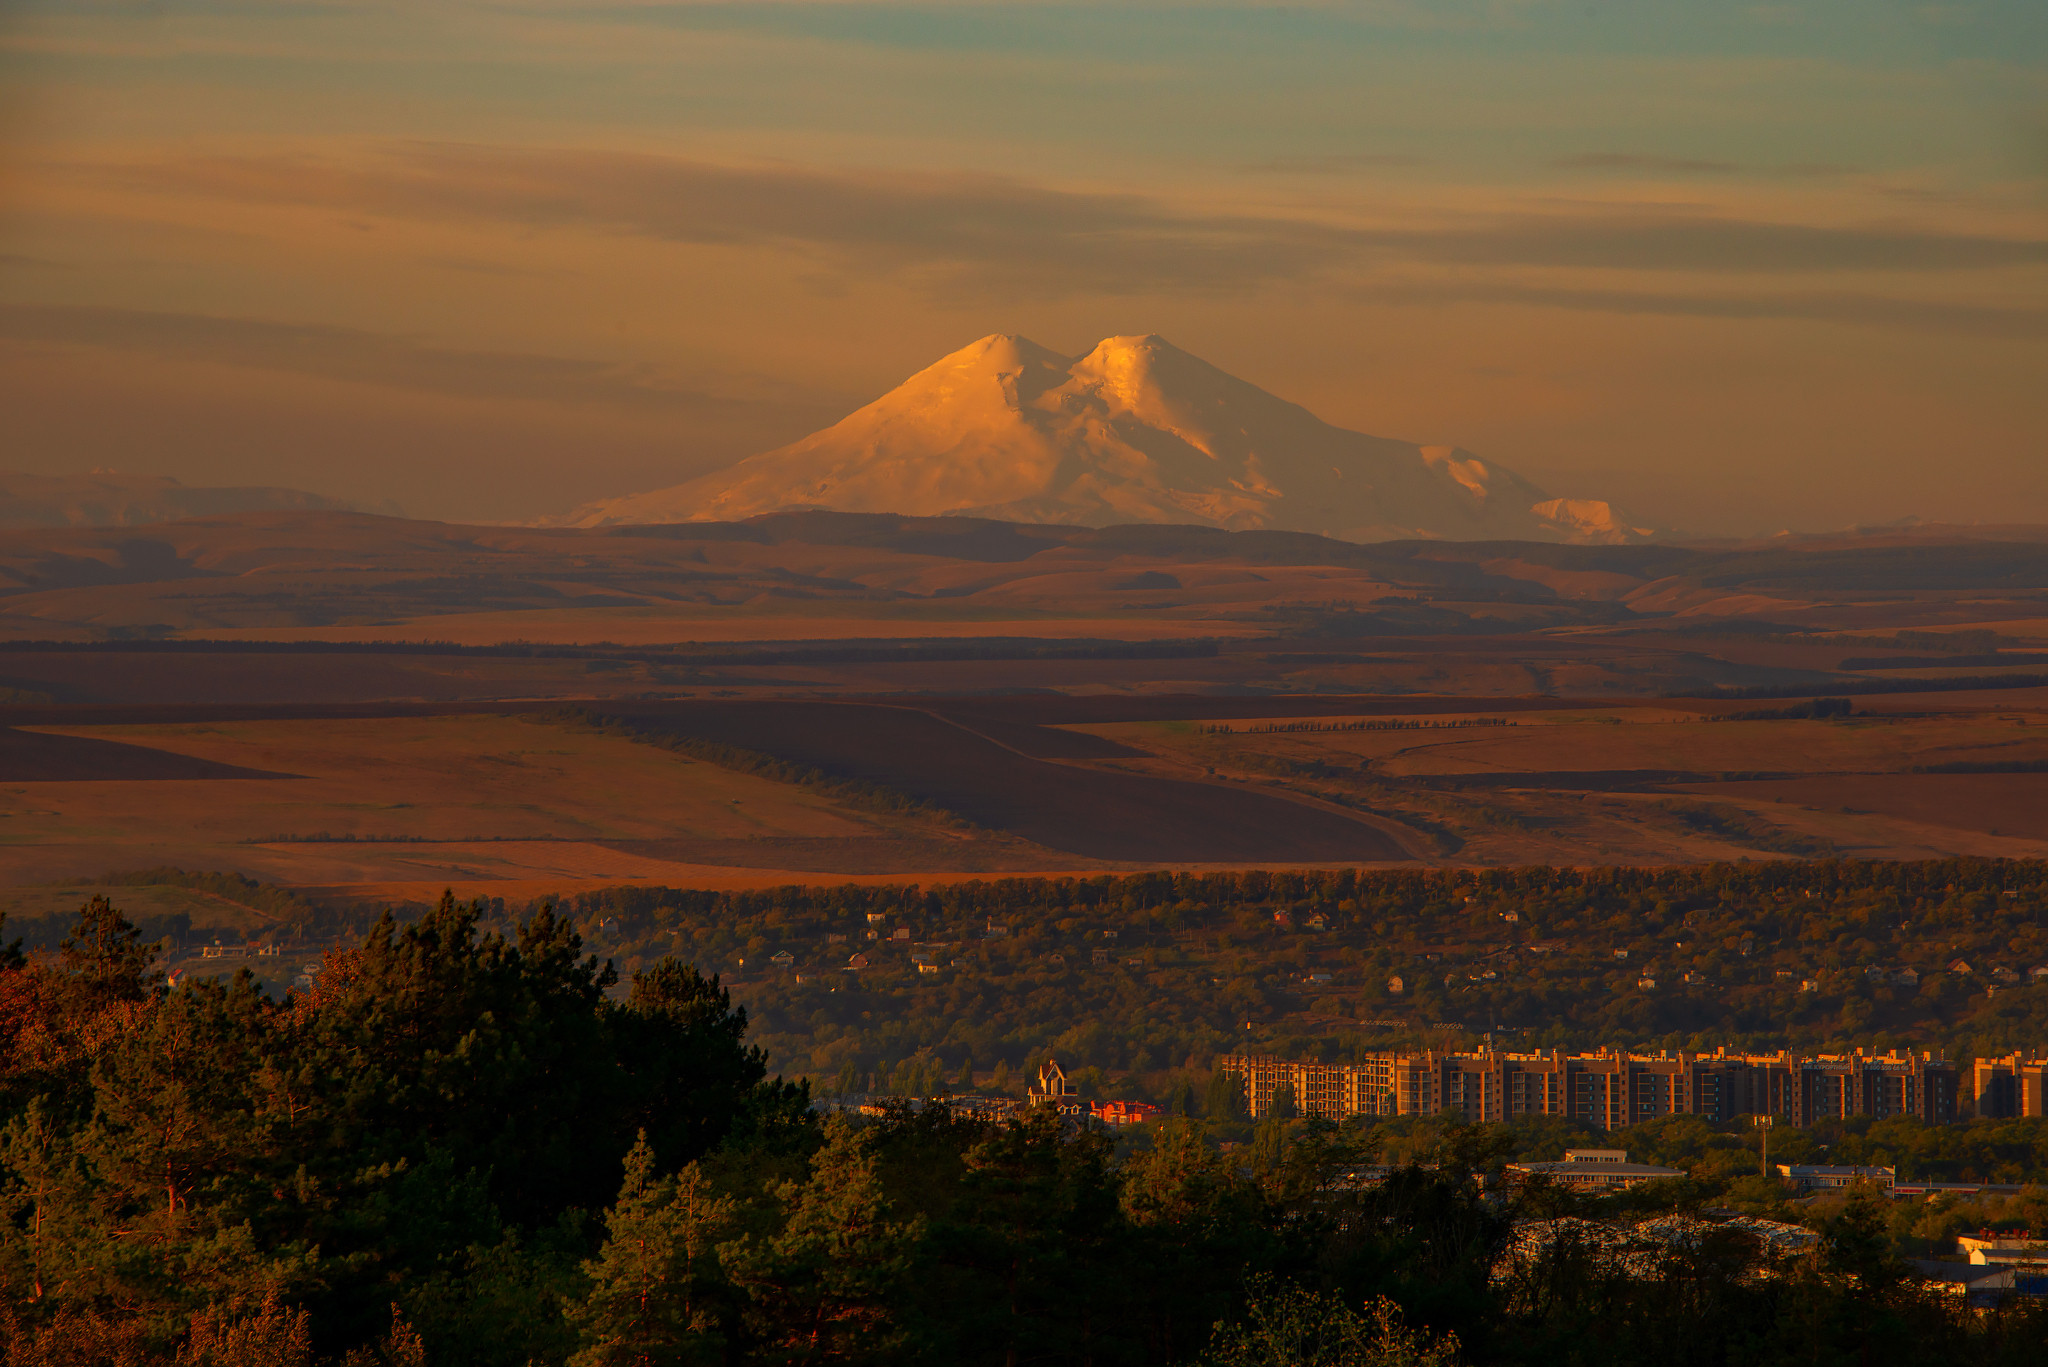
(1147, 977)
(465, 1148)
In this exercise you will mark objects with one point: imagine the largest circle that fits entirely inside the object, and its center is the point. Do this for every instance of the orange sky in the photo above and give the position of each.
(1773, 266)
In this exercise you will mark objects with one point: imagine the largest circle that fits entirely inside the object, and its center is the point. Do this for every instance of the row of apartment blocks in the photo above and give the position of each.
(1611, 1089)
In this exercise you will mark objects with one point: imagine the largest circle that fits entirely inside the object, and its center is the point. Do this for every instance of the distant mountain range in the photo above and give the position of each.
(107, 499)
(1136, 431)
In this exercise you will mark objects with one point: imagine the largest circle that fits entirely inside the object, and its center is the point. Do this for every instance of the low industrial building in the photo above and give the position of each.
(1595, 1171)
(1957, 1188)
(2004, 1250)
(1814, 1177)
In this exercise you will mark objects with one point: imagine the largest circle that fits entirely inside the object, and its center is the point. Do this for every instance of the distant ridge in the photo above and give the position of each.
(1136, 431)
(105, 498)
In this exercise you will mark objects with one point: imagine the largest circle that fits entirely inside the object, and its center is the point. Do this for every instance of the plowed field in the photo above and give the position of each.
(32, 757)
(2001, 804)
(1097, 813)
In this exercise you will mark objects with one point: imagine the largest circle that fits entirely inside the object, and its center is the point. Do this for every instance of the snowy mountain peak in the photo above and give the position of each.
(1137, 430)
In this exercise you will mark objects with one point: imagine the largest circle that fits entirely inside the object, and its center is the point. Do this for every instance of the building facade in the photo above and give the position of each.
(1608, 1090)
(1054, 1090)
(2008, 1088)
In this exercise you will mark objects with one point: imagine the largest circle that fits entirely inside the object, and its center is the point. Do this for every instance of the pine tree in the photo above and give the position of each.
(401, 1347)
(46, 1238)
(174, 1098)
(1182, 1183)
(271, 1336)
(104, 957)
(653, 1296)
(823, 1287)
(1286, 1326)
(1031, 1249)
(1197, 1224)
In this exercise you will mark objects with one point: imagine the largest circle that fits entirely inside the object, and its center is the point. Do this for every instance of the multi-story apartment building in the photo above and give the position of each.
(2007, 1088)
(1610, 1089)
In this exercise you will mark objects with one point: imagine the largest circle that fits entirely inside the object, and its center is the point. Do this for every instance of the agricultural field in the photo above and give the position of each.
(1086, 801)
(409, 800)
(1649, 784)
(1646, 782)
(743, 792)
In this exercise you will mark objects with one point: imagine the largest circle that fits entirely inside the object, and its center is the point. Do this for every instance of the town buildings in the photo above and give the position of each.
(1609, 1090)
(1126, 1112)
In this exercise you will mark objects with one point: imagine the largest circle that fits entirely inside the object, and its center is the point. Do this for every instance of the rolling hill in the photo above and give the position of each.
(107, 498)
(354, 576)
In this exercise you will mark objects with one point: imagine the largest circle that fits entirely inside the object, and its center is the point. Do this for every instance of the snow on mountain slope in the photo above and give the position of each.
(1135, 431)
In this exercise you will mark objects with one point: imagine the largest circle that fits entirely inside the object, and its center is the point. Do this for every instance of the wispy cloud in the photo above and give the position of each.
(1000, 228)
(1632, 161)
(1858, 310)
(1643, 164)
(883, 221)
(1635, 240)
(1333, 164)
(352, 355)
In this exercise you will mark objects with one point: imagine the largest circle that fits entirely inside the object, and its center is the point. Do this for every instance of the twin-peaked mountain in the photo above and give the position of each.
(1137, 430)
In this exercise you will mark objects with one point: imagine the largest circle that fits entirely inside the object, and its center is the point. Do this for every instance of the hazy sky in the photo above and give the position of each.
(1732, 266)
